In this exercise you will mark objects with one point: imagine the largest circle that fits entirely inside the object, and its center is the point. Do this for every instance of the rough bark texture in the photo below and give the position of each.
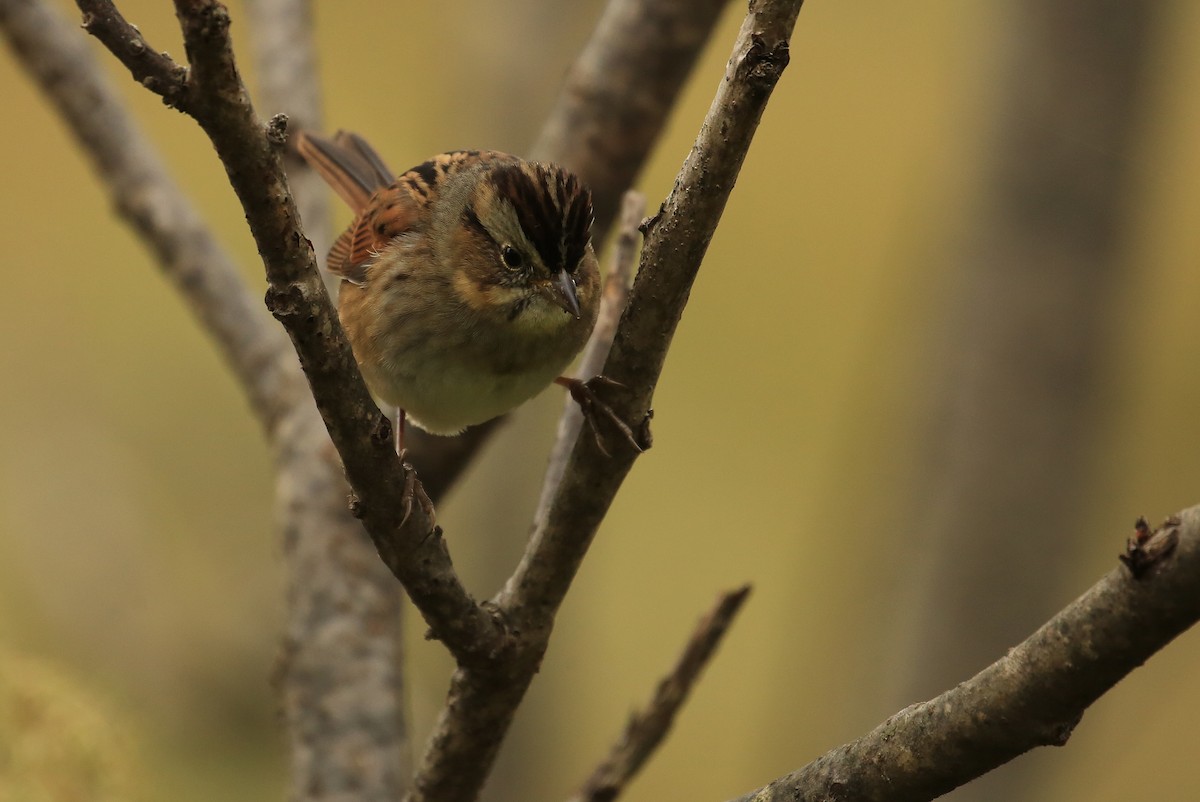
(1034, 696)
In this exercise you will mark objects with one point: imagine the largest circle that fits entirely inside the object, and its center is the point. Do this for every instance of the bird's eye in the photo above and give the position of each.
(512, 257)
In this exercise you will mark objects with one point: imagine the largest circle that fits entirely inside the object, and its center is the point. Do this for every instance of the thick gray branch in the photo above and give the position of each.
(1033, 696)
(286, 66)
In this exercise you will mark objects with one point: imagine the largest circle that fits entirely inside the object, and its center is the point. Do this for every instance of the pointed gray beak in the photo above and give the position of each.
(562, 292)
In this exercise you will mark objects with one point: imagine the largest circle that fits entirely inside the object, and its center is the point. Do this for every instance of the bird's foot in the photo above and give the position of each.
(594, 409)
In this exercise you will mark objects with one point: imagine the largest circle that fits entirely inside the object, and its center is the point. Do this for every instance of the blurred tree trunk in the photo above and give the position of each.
(1014, 401)
(522, 80)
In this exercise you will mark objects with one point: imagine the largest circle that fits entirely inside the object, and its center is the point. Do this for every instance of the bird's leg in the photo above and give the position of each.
(398, 432)
(413, 491)
(584, 393)
(410, 476)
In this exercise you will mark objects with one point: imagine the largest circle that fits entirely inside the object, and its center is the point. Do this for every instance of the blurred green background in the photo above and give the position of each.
(140, 575)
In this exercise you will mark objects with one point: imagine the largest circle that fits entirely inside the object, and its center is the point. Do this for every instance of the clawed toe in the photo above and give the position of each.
(603, 381)
(594, 408)
(413, 491)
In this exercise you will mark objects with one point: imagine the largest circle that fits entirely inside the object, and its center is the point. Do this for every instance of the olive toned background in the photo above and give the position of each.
(140, 575)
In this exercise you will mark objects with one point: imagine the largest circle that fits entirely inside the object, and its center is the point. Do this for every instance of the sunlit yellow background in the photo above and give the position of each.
(140, 575)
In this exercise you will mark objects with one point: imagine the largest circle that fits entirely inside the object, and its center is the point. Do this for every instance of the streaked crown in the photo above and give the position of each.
(551, 207)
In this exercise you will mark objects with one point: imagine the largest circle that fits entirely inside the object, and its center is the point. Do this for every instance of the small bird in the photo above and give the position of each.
(469, 282)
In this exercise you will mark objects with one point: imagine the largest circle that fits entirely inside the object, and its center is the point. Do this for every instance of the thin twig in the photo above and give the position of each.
(648, 727)
(483, 699)
(1033, 696)
(156, 71)
(403, 530)
(612, 304)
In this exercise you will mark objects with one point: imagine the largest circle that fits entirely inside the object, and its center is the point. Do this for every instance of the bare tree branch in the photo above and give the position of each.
(647, 728)
(158, 72)
(404, 534)
(1033, 696)
(676, 240)
(483, 698)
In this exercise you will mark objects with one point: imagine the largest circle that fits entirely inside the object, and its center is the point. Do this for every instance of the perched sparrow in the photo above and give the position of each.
(469, 282)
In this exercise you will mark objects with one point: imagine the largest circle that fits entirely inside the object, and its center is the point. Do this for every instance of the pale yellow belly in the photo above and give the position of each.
(448, 399)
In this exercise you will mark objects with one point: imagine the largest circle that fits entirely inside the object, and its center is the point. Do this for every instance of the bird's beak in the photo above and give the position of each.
(561, 291)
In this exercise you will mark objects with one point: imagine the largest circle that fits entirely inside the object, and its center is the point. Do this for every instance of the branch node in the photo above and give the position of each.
(765, 64)
(1060, 734)
(648, 223)
(212, 21)
(645, 437)
(501, 647)
(277, 130)
(283, 302)
(381, 434)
